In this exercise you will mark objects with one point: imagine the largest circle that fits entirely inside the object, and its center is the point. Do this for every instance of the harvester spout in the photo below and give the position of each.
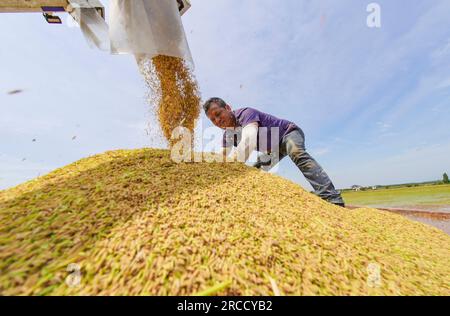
(148, 27)
(139, 27)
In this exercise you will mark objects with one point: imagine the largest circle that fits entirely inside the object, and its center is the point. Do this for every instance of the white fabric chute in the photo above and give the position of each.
(138, 27)
(147, 27)
(94, 27)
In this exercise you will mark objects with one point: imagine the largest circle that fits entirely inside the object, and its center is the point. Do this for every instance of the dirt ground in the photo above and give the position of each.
(437, 216)
(443, 225)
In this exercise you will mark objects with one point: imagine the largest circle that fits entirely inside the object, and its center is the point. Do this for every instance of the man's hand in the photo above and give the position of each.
(260, 163)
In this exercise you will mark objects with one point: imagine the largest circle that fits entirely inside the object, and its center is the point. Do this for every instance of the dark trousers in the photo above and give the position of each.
(293, 145)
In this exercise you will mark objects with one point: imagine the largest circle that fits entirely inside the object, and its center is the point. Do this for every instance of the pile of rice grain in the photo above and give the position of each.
(135, 223)
(173, 94)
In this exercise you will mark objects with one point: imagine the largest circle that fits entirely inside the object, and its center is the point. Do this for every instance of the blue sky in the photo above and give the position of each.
(374, 102)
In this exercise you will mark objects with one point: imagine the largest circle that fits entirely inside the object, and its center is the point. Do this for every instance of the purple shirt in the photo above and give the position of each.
(271, 129)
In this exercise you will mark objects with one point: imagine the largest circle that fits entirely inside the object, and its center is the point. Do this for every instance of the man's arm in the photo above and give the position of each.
(247, 145)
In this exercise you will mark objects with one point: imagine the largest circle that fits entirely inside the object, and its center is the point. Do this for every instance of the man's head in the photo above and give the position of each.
(220, 113)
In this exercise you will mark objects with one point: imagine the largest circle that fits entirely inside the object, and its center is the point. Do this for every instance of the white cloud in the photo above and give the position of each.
(319, 152)
(445, 84)
(383, 126)
(419, 163)
(27, 124)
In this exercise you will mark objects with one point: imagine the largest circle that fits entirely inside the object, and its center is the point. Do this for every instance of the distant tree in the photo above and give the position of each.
(445, 178)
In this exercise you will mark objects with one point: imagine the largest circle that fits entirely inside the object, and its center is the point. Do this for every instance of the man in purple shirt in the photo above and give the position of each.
(248, 129)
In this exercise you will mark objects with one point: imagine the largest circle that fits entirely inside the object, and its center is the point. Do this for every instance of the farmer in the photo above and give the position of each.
(248, 130)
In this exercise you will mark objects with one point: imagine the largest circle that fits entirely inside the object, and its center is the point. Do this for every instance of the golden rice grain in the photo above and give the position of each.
(159, 228)
(173, 94)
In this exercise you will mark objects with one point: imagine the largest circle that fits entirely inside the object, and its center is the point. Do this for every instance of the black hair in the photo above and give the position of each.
(221, 103)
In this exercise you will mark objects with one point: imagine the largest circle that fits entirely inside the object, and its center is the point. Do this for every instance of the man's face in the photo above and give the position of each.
(221, 117)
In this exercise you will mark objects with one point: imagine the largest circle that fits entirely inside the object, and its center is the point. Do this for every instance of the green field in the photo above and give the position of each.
(434, 197)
